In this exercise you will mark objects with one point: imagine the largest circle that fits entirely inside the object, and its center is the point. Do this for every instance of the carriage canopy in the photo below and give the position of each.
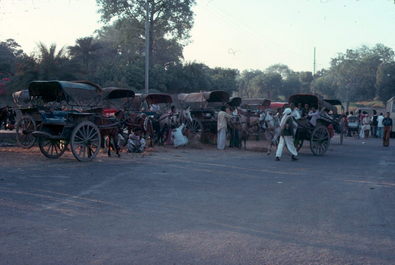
(205, 96)
(158, 98)
(235, 101)
(258, 102)
(117, 93)
(312, 100)
(79, 93)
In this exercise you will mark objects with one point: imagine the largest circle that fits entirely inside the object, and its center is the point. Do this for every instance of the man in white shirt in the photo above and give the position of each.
(380, 126)
(222, 126)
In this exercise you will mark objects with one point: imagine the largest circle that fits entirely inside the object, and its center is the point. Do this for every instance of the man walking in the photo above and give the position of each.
(286, 137)
(387, 122)
(223, 115)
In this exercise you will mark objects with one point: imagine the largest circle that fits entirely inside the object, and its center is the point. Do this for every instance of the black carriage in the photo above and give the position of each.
(319, 135)
(204, 109)
(28, 118)
(339, 118)
(145, 113)
(67, 113)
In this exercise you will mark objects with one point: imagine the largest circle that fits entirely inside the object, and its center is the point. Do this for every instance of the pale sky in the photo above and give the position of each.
(249, 34)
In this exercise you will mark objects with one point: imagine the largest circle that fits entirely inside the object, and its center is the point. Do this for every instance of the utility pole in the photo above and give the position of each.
(314, 63)
(147, 48)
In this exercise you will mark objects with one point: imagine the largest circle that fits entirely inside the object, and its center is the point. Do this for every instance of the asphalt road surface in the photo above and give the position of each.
(200, 206)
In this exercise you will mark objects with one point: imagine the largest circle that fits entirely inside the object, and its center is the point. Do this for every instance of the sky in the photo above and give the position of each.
(242, 34)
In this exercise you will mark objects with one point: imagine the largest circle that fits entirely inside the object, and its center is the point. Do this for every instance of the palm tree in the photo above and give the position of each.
(53, 64)
(84, 51)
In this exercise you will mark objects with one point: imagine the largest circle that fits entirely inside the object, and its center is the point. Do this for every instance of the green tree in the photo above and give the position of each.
(385, 81)
(84, 51)
(170, 20)
(53, 64)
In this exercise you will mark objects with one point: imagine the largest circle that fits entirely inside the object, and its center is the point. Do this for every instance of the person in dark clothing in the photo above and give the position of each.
(387, 122)
(373, 124)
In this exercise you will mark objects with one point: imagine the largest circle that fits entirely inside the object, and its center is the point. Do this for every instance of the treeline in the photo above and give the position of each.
(100, 62)
(114, 56)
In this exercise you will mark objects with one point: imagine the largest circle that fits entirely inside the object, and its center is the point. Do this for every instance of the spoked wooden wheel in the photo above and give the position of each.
(195, 127)
(52, 148)
(24, 129)
(85, 141)
(320, 140)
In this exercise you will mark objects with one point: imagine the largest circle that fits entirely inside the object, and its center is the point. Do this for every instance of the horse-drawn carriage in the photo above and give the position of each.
(62, 114)
(204, 107)
(316, 128)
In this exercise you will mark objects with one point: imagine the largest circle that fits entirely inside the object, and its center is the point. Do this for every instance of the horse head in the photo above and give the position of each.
(187, 114)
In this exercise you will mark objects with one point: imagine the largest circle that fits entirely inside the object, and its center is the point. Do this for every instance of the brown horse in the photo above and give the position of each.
(7, 118)
(110, 129)
(139, 123)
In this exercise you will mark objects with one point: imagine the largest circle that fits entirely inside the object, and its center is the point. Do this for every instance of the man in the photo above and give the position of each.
(373, 124)
(305, 110)
(223, 115)
(286, 137)
(365, 129)
(136, 143)
(380, 126)
(387, 122)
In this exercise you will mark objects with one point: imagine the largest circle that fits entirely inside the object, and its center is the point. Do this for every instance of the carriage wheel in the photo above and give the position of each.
(298, 144)
(85, 141)
(24, 129)
(320, 140)
(195, 127)
(52, 148)
(149, 131)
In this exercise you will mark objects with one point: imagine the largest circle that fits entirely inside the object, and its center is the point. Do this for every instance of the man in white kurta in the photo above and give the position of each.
(286, 137)
(222, 126)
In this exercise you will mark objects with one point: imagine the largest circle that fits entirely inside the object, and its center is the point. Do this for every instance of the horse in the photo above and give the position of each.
(139, 123)
(169, 121)
(7, 117)
(271, 126)
(249, 125)
(110, 130)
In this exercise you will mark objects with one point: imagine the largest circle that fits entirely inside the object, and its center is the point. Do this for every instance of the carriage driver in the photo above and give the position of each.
(286, 137)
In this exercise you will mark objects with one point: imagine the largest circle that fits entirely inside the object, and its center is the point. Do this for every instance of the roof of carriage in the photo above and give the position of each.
(69, 91)
(116, 93)
(205, 96)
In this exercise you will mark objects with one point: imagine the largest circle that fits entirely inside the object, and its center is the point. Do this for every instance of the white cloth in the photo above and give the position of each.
(179, 139)
(221, 139)
(314, 117)
(296, 114)
(135, 144)
(289, 142)
(222, 116)
(286, 114)
(380, 119)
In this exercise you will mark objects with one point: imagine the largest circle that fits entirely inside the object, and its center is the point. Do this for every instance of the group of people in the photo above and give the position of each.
(286, 137)
(377, 125)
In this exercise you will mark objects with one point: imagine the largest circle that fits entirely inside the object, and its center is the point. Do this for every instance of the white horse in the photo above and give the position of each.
(271, 125)
(168, 121)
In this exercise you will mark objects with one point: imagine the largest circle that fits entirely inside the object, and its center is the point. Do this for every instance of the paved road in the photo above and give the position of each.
(195, 206)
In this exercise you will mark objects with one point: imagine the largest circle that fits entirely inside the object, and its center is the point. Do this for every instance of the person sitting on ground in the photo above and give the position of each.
(136, 143)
